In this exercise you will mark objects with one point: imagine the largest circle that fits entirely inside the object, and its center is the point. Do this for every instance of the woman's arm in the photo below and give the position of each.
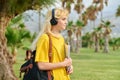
(50, 66)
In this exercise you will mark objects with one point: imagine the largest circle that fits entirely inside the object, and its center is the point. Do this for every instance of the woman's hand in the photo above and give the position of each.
(67, 62)
(70, 70)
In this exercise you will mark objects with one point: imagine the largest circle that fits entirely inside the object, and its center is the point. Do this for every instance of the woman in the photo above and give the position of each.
(56, 21)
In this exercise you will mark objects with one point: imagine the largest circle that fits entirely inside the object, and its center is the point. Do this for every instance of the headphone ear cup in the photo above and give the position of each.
(53, 21)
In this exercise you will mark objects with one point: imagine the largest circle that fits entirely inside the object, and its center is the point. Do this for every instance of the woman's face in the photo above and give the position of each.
(62, 23)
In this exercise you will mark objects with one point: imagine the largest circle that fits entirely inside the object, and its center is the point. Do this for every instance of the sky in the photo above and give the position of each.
(112, 7)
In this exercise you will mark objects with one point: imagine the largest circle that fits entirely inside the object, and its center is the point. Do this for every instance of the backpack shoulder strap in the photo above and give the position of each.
(50, 47)
(50, 55)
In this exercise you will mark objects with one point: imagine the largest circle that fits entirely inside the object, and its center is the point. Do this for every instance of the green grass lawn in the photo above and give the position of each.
(96, 66)
(88, 65)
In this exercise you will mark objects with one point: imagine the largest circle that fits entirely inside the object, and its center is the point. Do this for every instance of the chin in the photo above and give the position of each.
(63, 29)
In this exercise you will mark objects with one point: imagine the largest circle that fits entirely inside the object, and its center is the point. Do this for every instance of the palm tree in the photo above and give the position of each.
(9, 9)
(118, 43)
(16, 37)
(79, 6)
(118, 11)
(70, 32)
(102, 41)
(85, 18)
(107, 30)
(92, 11)
(67, 4)
(87, 40)
(96, 38)
(79, 24)
(100, 5)
(113, 42)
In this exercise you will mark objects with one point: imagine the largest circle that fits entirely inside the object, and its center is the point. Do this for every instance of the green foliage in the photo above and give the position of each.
(21, 25)
(118, 12)
(86, 40)
(114, 42)
(97, 29)
(16, 33)
(70, 24)
(102, 41)
(79, 23)
(16, 36)
(15, 7)
(107, 24)
(24, 33)
(16, 19)
(46, 3)
(33, 37)
(12, 36)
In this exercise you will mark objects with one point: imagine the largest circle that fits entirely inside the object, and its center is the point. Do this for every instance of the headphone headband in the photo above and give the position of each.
(53, 13)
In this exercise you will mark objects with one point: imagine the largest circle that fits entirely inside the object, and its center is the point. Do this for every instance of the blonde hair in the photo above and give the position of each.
(58, 13)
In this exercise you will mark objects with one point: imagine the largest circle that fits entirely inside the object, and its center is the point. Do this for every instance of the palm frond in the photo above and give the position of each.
(79, 23)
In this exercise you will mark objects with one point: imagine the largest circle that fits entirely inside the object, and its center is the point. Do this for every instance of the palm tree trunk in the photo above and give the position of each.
(6, 69)
(96, 44)
(78, 44)
(14, 53)
(74, 44)
(71, 41)
(106, 44)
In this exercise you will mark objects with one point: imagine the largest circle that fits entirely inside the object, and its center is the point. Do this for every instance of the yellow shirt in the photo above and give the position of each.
(58, 54)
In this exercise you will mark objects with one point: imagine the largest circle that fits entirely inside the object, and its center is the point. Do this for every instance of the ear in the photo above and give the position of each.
(53, 21)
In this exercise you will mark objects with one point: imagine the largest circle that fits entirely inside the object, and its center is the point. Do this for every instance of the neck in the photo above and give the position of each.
(55, 31)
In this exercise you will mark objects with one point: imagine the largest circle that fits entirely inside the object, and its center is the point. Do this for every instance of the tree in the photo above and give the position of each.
(115, 43)
(70, 32)
(79, 24)
(106, 25)
(8, 10)
(100, 5)
(16, 34)
(118, 11)
(87, 40)
(96, 38)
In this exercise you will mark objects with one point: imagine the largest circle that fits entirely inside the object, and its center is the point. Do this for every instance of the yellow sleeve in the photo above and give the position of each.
(42, 49)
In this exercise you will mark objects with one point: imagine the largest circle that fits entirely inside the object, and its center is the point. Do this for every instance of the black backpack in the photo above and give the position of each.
(31, 71)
